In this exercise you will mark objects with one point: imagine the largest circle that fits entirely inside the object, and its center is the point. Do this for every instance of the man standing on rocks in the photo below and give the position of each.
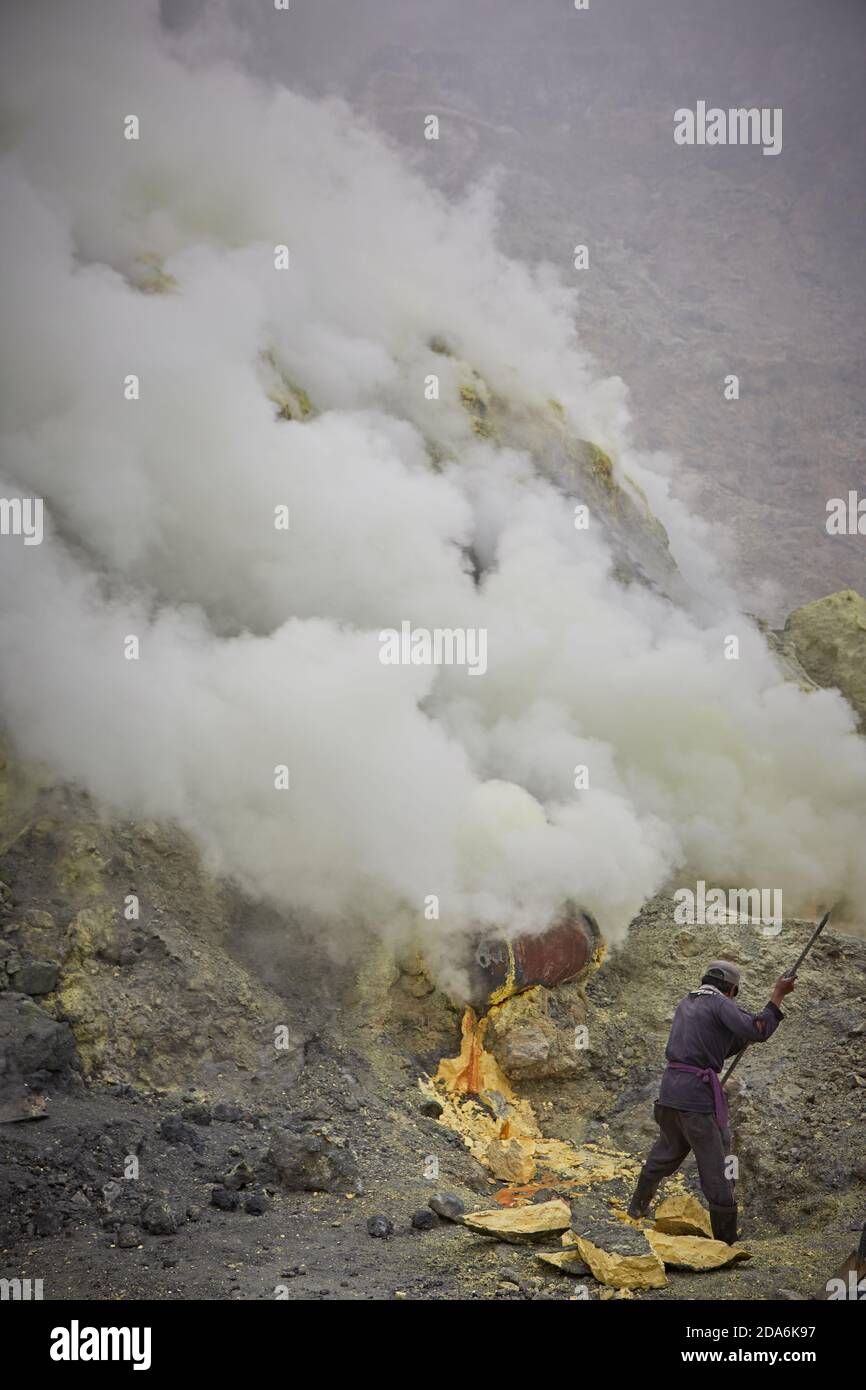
(692, 1109)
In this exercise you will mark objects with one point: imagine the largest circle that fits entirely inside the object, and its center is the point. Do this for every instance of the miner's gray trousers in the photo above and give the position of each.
(697, 1130)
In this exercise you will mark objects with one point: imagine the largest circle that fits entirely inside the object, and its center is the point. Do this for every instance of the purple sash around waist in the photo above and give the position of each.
(720, 1100)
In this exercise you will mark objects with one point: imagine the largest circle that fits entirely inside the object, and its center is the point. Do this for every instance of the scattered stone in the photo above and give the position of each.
(159, 1219)
(256, 1204)
(225, 1199)
(175, 1131)
(36, 1051)
(229, 1114)
(319, 1110)
(380, 1227)
(545, 1194)
(352, 1097)
(313, 1163)
(447, 1205)
(431, 1108)
(424, 1219)
(127, 1238)
(37, 977)
(198, 1114)
(46, 1223)
(241, 1175)
(193, 1213)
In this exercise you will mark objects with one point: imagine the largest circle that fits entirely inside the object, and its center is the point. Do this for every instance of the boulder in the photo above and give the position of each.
(532, 1035)
(829, 640)
(313, 1163)
(36, 977)
(160, 1218)
(35, 1050)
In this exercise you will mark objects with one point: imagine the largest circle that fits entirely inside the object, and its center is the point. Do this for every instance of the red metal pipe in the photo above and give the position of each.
(501, 968)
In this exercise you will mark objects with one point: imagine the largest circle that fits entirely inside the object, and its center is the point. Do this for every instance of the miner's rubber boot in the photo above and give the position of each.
(724, 1223)
(642, 1196)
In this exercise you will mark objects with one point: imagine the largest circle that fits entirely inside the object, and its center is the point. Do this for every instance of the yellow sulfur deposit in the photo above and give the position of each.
(568, 1261)
(522, 1223)
(695, 1252)
(501, 1130)
(621, 1271)
(511, 1160)
(682, 1215)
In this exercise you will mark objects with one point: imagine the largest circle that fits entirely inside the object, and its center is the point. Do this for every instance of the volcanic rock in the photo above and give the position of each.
(175, 1131)
(313, 1163)
(159, 1218)
(35, 1050)
(36, 977)
(225, 1198)
(447, 1205)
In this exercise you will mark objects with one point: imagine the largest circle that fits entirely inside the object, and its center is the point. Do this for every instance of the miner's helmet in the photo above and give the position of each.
(723, 974)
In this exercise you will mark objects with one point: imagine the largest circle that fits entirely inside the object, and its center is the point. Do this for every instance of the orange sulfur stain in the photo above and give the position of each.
(515, 1196)
(473, 1071)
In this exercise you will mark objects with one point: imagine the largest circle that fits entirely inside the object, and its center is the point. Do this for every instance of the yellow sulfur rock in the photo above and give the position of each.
(148, 274)
(569, 1261)
(511, 1160)
(622, 1271)
(829, 640)
(695, 1252)
(682, 1215)
(521, 1223)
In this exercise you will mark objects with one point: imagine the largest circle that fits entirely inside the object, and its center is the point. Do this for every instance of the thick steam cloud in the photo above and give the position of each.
(260, 647)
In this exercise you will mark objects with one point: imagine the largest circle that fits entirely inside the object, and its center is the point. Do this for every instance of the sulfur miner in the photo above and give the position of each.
(692, 1109)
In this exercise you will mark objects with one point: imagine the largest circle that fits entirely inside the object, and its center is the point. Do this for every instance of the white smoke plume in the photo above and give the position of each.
(260, 647)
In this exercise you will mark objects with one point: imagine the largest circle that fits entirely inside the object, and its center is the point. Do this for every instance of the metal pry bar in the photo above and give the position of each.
(788, 975)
